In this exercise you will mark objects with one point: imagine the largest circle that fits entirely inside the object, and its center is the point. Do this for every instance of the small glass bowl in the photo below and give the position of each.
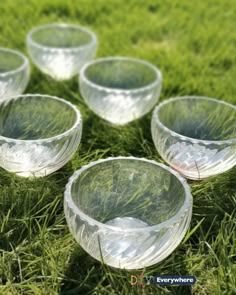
(128, 212)
(196, 135)
(60, 50)
(14, 73)
(38, 134)
(120, 89)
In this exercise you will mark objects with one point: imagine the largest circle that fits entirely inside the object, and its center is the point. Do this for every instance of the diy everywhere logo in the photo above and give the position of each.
(142, 280)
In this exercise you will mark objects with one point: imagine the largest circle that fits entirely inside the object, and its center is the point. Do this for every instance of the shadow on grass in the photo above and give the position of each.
(82, 274)
(213, 198)
(85, 275)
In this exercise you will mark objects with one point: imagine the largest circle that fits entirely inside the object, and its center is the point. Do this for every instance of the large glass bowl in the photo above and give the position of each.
(128, 212)
(60, 50)
(14, 73)
(196, 135)
(38, 134)
(120, 89)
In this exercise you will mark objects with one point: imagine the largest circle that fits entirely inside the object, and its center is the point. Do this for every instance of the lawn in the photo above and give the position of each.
(193, 43)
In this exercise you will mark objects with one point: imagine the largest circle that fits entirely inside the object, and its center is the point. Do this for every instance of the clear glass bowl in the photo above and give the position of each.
(38, 134)
(60, 50)
(14, 73)
(128, 212)
(120, 89)
(196, 135)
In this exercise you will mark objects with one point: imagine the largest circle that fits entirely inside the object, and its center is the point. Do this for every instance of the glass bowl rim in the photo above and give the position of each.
(77, 123)
(186, 206)
(158, 79)
(30, 40)
(183, 137)
(22, 67)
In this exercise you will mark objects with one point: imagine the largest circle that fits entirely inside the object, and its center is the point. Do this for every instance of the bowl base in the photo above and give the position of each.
(119, 250)
(127, 222)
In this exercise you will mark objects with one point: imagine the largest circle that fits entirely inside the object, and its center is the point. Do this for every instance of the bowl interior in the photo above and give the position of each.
(199, 118)
(120, 73)
(9, 61)
(35, 117)
(128, 189)
(60, 36)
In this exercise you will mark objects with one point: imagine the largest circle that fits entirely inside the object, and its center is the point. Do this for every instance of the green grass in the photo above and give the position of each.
(193, 43)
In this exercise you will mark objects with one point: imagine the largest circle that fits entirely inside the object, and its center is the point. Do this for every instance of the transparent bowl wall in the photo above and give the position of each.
(128, 212)
(120, 89)
(196, 135)
(38, 134)
(14, 73)
(60, 50)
